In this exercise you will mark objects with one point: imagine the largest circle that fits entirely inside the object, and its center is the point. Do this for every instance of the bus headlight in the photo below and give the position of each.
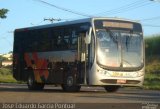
(140, 73)
(135, 74)
(103, 72)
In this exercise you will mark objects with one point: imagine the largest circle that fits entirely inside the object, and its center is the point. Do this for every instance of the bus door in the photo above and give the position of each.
(82, 54)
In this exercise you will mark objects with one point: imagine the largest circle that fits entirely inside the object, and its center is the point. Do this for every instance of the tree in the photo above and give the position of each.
(10, 52)
(3, 13)
(2, 58)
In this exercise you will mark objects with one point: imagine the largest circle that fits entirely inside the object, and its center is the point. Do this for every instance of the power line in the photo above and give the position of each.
(128, 7)
(3, 34)
(120, 8)
(37, 23)
(4, 38)
(152, 18)
(151, 25)
(64, 9)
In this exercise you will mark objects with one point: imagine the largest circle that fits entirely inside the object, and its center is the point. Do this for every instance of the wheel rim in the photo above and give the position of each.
(70, 81)
(30, 81)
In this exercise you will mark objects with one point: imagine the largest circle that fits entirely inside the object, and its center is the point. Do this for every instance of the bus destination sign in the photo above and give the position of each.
(118, 24)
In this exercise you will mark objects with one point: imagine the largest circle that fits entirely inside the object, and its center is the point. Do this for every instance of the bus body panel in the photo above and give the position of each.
(102, 77)
(119, 77)
(51, 66)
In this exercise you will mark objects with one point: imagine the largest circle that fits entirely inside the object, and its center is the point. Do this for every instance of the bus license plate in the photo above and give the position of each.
(121, 81)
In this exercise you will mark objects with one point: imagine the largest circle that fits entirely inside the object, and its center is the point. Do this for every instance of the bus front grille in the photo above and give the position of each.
(114, 81)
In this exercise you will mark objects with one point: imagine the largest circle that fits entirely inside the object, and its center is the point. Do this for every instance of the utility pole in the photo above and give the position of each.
(52, 19)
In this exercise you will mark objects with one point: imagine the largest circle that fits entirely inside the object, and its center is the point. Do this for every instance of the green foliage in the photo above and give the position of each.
(7, 79)
(6, 76)
(10, 52)
(153, 67)
(5, 71)
(3, 13)
(152, 46)
(152, 81)
(152, 70)
(3, 58)
(152, 52)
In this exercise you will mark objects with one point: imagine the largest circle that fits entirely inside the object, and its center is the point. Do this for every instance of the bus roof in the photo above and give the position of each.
(73, 22)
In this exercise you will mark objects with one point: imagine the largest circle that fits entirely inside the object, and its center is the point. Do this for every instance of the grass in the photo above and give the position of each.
(152, 74)
(5, 71)
(7, 79)
(6, 76)
(152, 81)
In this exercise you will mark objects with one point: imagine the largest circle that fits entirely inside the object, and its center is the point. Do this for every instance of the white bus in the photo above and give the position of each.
(107, 52)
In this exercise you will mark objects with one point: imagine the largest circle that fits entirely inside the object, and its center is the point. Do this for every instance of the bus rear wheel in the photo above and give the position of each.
(111, 88)
(70, 85)
(32, 84)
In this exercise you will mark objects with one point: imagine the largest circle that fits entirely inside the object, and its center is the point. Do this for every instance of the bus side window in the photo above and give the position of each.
(74, 43)
(28, 42)
(74, 40)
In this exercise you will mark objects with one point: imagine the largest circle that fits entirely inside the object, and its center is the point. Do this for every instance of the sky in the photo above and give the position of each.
(27, 13)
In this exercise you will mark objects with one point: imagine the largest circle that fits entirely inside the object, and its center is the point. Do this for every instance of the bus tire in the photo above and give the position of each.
(32, 84)
(111, 88)
(70, 86)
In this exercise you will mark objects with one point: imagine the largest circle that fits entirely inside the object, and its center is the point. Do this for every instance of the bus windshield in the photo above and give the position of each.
(119, 48)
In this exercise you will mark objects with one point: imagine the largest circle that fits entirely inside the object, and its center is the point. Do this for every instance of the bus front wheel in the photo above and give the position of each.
(32, 84)
(111, 88)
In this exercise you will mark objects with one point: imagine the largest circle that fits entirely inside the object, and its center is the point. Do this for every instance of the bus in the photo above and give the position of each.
(107, 52)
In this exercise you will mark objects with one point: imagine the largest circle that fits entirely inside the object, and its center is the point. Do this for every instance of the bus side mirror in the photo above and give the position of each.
(88, 36)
